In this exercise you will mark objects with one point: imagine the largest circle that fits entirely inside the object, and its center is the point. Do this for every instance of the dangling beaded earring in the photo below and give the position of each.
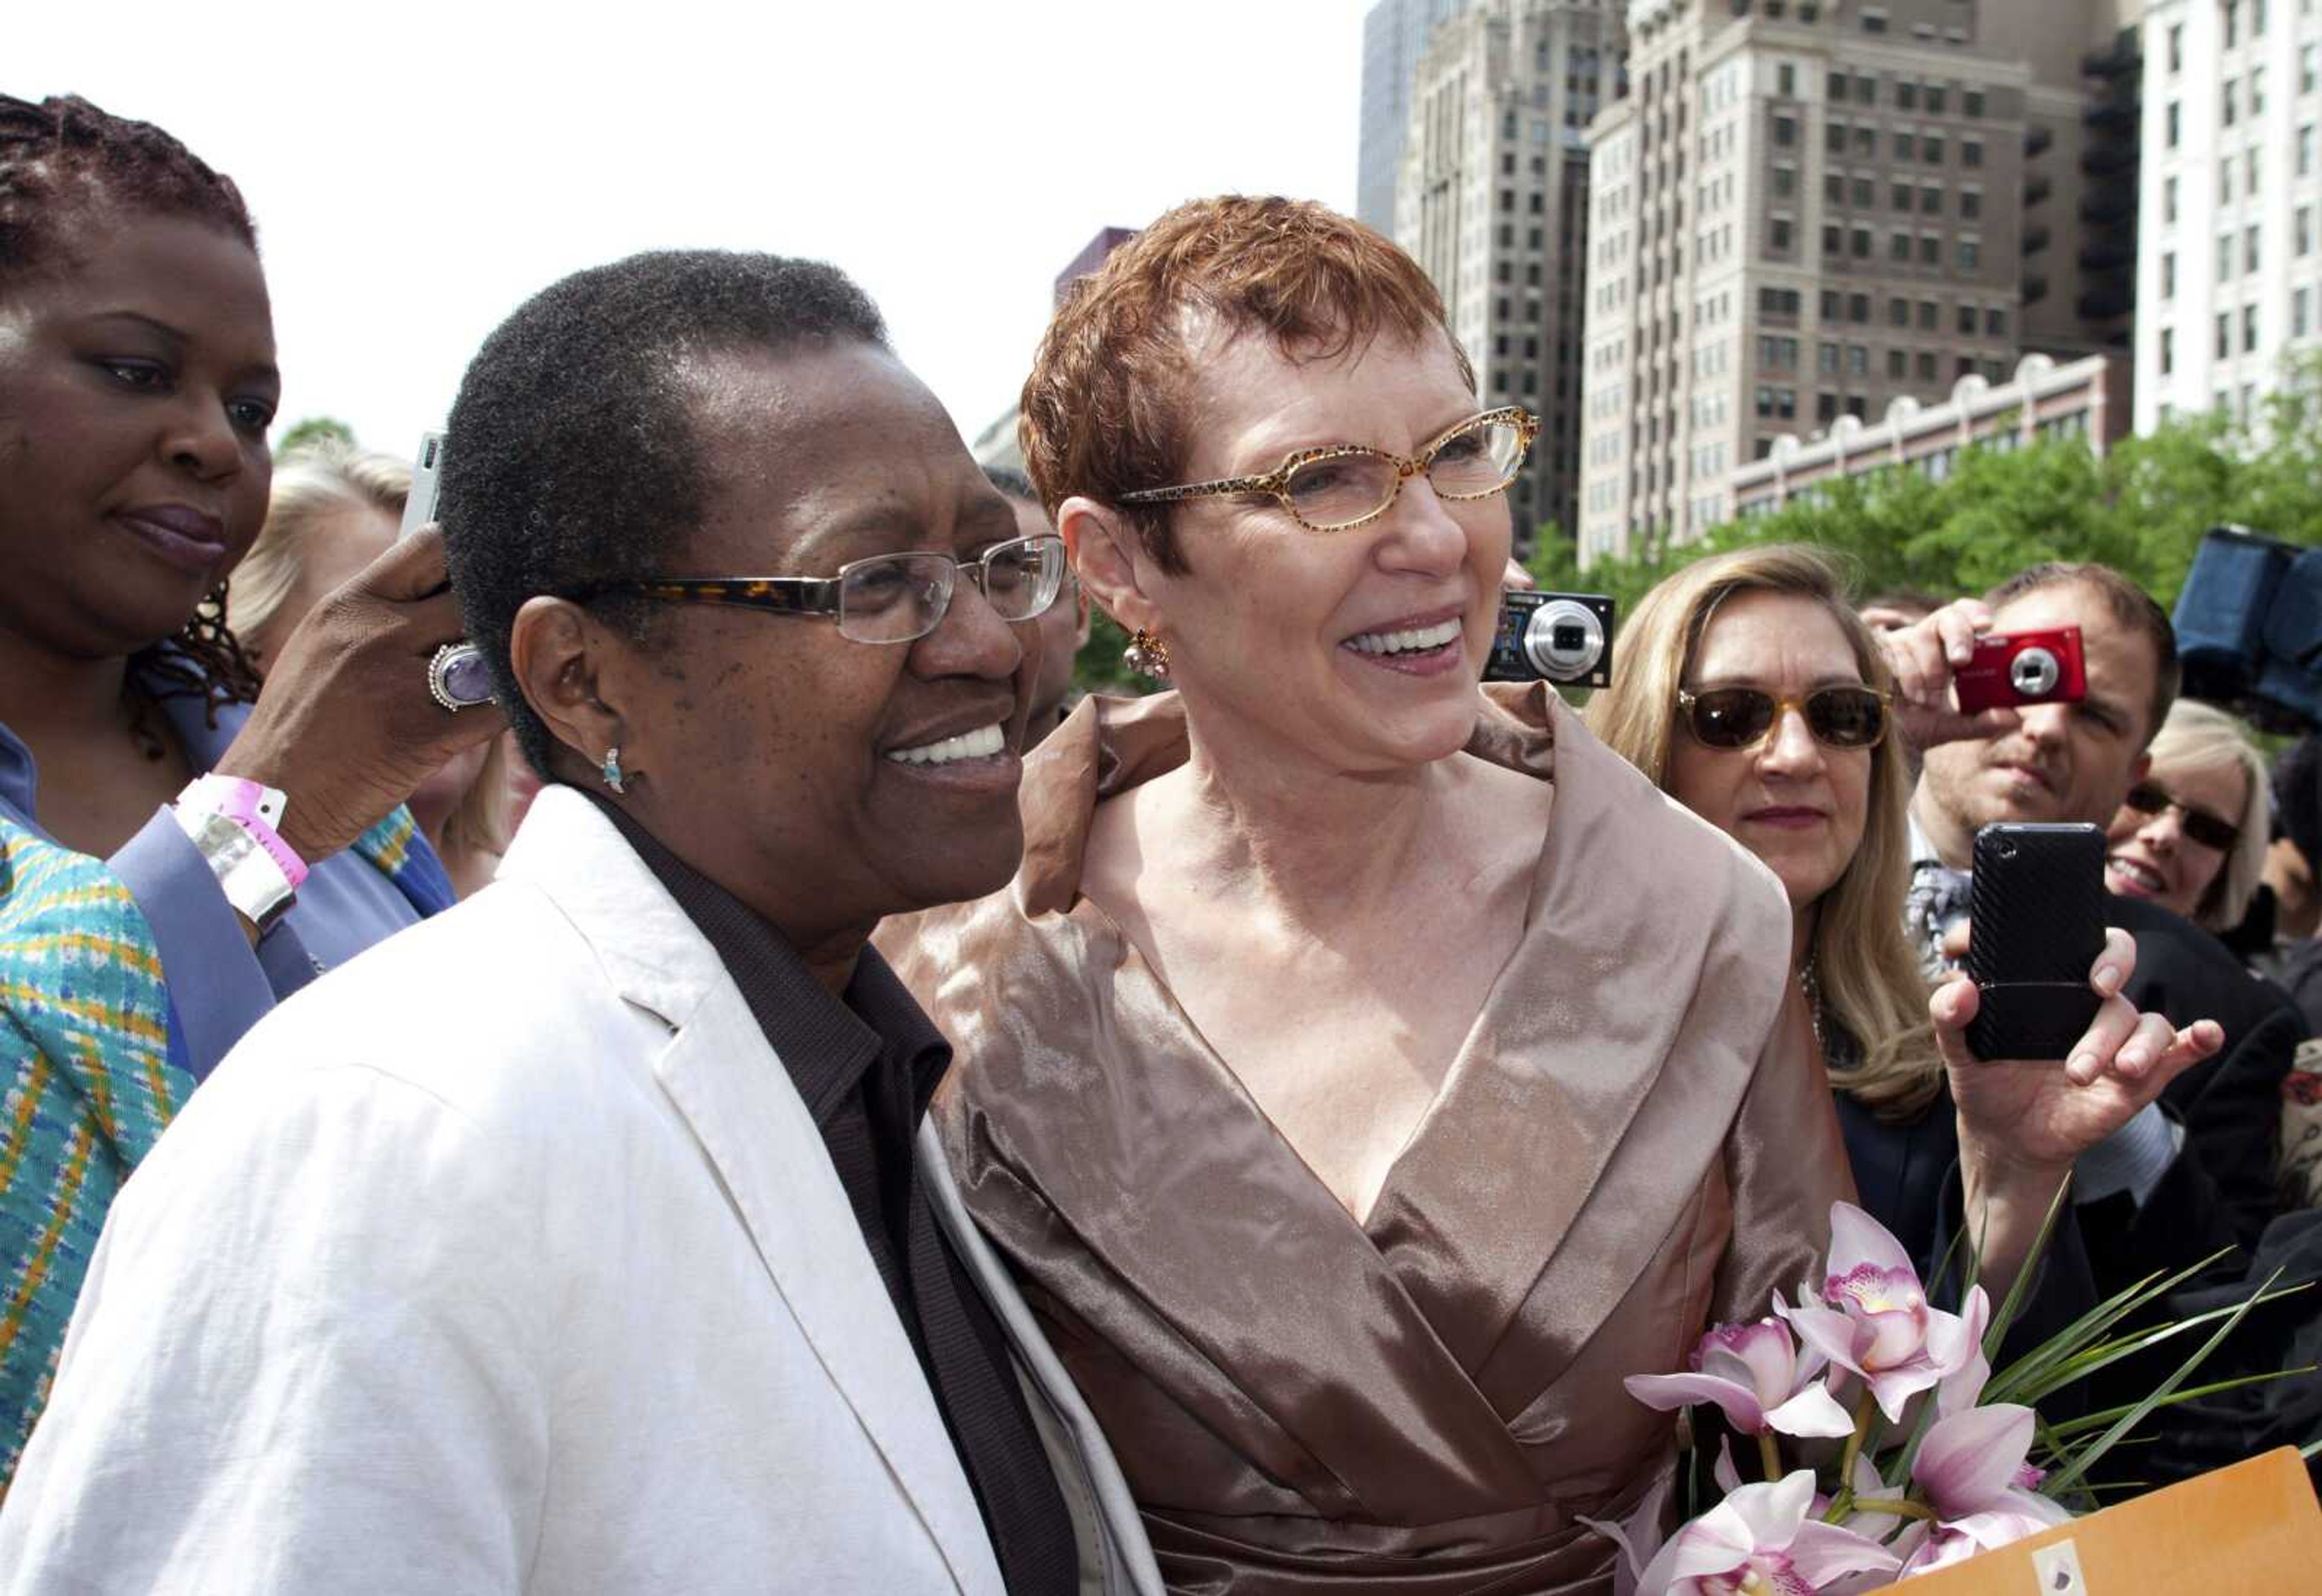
(610, 770)
(1146, 655)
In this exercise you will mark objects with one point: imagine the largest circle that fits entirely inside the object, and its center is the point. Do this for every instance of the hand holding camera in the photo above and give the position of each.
(1955, 678)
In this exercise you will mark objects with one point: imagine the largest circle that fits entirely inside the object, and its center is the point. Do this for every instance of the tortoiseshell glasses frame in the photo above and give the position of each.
(1343, 486)
(886, 598)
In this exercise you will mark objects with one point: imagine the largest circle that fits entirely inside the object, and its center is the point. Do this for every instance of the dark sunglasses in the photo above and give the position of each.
(2211, 831)
(1743, 717)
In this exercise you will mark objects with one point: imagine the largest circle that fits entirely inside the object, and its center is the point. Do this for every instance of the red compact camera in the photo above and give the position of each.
(2022, 668)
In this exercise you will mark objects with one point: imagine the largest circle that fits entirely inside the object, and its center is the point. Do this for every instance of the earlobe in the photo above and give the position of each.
(555, 652)
(1109, 560)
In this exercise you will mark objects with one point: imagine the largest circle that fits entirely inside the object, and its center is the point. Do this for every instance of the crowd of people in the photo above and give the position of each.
(728, 1114)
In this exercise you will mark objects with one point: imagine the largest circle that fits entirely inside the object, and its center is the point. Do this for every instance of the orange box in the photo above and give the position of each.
(2252, 1527)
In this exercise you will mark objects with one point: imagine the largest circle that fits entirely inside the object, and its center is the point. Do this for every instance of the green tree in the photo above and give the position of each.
(312, 429)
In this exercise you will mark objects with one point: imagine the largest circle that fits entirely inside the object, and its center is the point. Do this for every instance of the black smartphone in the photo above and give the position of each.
(2037, 914)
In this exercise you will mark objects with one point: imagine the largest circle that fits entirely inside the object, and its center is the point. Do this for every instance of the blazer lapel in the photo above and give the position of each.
(736, 1100)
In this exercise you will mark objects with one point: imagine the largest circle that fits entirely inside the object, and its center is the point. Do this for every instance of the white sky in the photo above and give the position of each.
(417, 170)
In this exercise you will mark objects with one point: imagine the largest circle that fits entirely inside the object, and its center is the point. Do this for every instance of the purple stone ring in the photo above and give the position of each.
(457, 676)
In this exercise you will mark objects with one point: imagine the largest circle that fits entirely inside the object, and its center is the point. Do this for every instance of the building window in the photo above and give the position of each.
(2231, 103)
(1785, 131)
(1865, 141)
(1834, 238)
(1931, 149)
(1833, 187)
(1826, 360)
(1898, 365)
(2169, 274)
(1930, 249)
(1858, 307)
(1906, 95)
(1924, 363)
(2249, 249)
(1874, 22)
(1898, 247)
(2226, 258)
(1971, 254)
(2306, 150)
(2299, 323)
(2257, 92)
(1898, 313)
(1834, 138)
(2226, 181)
(1825, 408)
(1786, 81)
(1928, 312)
(1778, 234)
(1936, 98)
(2302, 228)
(2168, 350)
(2169, 201)
(2172, 123)
(1858, 360)
(1906, 148)
(1902, 196)
(1861, 243)
(2224, 334)
(1837, 86)
(2249, 328)
(1971, 203)
(2177, 47)
(1967, 320)
(1866, 193)
(1931, 201)
(1829, 305)
(1786, 181)
(1972, 103)
(1994, 321)
(1866, 89)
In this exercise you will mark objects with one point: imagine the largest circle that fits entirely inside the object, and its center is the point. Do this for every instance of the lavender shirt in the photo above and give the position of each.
(219, 985)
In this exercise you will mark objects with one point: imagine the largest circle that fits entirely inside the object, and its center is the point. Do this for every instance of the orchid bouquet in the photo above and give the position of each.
(1935, 1456)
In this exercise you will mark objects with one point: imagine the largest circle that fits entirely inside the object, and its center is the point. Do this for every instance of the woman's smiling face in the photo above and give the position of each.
(1356, 650)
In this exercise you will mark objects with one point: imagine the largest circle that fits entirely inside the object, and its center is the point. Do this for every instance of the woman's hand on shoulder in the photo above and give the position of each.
(2040, 1117)
(346, 727)
(1925, 656)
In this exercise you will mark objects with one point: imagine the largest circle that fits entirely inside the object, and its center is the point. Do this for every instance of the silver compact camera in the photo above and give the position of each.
(1566, 638)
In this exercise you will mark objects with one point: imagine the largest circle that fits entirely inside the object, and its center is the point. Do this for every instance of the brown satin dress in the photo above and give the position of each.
(1632, 1143)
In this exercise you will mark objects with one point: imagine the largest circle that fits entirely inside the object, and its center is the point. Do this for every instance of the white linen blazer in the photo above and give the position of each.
(504, 1259)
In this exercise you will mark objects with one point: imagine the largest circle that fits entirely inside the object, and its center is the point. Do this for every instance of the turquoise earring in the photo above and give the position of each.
(610, 770)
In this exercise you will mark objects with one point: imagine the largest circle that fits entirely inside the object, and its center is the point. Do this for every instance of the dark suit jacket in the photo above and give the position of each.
(2230, 1105)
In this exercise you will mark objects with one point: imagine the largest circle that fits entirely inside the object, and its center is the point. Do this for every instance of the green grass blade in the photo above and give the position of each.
(2064, 1480)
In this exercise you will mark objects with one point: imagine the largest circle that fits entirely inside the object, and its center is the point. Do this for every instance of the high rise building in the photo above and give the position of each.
(1805, 211)
(1493, 203)
(2229, 260)
(1394, 36)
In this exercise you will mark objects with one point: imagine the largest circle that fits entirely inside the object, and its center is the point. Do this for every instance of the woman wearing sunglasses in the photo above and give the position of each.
(2191, 837)
(1757, 697)
(1364, 1072)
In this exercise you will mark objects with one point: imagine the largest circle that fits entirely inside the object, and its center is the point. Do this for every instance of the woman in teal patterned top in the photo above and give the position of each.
(137, 382)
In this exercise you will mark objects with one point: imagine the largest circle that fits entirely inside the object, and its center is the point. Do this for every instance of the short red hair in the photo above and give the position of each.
(1104, 411)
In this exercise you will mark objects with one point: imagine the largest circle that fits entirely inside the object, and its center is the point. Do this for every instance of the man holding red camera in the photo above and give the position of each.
(2061, 758)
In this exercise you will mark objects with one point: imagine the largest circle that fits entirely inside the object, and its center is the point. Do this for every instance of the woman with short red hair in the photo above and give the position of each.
(1366, 1072)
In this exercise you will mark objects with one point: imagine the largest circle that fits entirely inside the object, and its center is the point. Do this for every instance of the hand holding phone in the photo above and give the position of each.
(2035, 928)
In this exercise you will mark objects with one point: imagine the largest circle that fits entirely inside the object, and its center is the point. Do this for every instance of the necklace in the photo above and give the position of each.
(1810, 983)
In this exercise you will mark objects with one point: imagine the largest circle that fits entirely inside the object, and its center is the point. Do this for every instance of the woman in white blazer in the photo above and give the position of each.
(512, 1257)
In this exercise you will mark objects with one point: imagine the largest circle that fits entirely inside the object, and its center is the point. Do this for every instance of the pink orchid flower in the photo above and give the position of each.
(1759, 1540)
(1972, 1468)
(1756, 1376)
(1878, 1324)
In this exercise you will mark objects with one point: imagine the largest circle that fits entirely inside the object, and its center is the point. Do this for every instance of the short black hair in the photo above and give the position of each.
(1014, 483)
(571, 458)
(63, 160)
